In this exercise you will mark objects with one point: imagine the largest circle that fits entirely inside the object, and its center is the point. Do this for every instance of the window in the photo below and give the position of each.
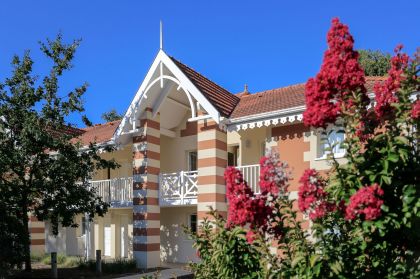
(84, 229)
(333, 140)
(193, 222)
(192, 160)
(233, 152)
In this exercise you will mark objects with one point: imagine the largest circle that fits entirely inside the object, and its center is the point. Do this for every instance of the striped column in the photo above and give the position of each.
(37, 234)
(212, 161)
(146, 210)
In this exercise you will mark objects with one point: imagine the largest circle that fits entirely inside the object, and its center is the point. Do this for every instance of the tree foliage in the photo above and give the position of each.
(374, 62)
(43, 171)
(111, 115)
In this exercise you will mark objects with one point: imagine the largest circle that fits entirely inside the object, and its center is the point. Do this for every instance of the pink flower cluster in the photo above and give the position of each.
(257, 210)
(340, 75)
(274, 177)
(415, 112)
(312, 199)
(365, 202)
(385, 92)
(239, 195)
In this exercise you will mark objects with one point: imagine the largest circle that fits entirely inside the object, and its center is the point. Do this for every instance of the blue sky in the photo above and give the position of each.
(266, 44)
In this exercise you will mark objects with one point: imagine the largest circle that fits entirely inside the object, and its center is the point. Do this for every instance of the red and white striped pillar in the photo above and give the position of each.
(212, 161)
(146, 210)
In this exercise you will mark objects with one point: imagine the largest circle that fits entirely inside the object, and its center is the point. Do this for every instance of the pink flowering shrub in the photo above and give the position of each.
(385, 93)
(350, 218)
(357, 231)
(340, 75)
(366, 202)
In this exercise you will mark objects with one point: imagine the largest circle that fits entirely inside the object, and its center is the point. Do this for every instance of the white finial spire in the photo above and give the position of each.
(161, 35)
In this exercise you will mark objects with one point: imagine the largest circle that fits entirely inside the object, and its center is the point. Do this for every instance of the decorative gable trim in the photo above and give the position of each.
(289, 115)
(129, 121)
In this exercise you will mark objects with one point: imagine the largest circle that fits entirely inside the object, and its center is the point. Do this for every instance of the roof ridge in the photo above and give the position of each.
(100, 125)
(275, 89)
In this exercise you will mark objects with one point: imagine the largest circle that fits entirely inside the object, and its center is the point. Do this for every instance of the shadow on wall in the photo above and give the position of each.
(169, 247)
(175, 245)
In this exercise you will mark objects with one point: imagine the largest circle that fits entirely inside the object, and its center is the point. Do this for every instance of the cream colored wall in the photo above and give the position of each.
(250, 143)
(175, 246)
(66, 242)
(124, 157)
(71, 242)
(173, 152)
(116, 219)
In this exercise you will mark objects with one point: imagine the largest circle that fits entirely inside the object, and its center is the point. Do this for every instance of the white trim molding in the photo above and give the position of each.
(289, 115)
(179, 78)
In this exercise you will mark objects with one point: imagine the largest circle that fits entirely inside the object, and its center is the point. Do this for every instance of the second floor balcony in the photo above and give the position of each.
(175, 189)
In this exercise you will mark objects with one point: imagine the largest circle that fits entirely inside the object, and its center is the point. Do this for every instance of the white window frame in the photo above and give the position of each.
(189, 160)
(338, 151)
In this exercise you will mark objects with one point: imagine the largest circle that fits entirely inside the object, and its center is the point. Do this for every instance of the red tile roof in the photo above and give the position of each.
(224, 101)
(245, 105)
(280, 98)
(99, 133)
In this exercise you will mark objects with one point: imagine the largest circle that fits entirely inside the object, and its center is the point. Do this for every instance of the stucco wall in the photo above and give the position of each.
(70, 241)
(175, 246)
(251, 144)
(292, 146)
(124, 157)
(173, 152)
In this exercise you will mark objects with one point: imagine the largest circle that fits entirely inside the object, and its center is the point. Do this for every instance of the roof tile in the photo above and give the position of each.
(280, 98)
(224, 101)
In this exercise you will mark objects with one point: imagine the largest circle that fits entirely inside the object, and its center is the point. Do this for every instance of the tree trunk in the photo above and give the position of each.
(26, 237)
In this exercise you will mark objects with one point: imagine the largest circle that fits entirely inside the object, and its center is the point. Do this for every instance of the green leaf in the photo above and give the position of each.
(393, 157)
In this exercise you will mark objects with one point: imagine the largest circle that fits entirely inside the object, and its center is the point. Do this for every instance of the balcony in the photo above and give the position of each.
(178, 188)
(175, 189)
(118, 192)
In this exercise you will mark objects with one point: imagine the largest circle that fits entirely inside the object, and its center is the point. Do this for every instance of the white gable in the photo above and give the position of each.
(162, 77)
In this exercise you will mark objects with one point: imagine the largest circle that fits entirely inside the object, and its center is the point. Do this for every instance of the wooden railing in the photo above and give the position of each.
(178, 188)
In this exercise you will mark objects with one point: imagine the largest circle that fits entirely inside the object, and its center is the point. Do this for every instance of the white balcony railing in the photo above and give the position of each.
(178, 188)
(117, 191)
(251, 174)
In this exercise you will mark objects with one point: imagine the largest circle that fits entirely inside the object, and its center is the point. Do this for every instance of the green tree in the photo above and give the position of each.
(111, 115)
(374, 62)
(43, 171)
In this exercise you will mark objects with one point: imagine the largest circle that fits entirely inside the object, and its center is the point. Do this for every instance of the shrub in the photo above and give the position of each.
(224, 253)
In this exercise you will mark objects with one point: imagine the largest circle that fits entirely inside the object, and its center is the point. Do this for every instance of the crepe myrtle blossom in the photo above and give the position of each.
(339, 77)
(385, 92)
(415, 111)
(257, 210)
(312, 199)
(365, 203)
(239, 195)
